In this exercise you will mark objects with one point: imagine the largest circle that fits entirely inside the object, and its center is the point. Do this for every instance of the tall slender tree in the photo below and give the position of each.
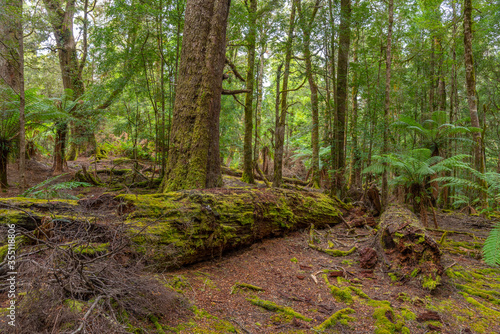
(247, 143)
(279, 138)
(387, 104)
(307, 24)
(342, 74)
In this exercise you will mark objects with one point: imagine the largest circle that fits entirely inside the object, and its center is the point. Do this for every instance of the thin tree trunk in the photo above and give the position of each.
(194, 157)
(342, 76)
(247, 143)
(306, 31)
(281, 119)
(258, 109)
(387, 104)
(470, 77)
(22, 102)
(355, 179)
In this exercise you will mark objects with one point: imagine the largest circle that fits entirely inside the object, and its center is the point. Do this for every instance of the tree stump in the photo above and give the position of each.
(406, 248)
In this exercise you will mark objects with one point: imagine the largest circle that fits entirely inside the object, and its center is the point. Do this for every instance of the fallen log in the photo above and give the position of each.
(406, 248)
(185, 227)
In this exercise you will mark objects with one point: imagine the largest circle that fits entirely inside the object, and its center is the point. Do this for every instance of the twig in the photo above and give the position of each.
(87, 315)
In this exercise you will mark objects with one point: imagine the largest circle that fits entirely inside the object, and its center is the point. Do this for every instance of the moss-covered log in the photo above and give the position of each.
(407, 249)
(184, 227)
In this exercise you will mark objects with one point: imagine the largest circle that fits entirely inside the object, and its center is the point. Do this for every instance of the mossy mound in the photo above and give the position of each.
(184, 227)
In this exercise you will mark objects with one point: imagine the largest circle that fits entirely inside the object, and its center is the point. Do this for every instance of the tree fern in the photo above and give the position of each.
(491, 248)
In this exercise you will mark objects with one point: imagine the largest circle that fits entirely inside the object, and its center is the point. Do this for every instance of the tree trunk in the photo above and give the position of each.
(342, 76)
(470, 77)
(191, 226)
(281, 118)
(355, 179)
(306, 31)
(61, 21)
(247, 142)
(194, 157)
(11, 80)
(387, 105)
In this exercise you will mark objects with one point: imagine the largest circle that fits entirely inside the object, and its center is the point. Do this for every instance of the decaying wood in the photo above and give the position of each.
(407, 249)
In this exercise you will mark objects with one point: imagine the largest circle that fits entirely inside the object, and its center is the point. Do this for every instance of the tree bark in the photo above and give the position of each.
(247, 142)
(387, 105)
(194, 157)
(61, 21)
(281, 116)
(470, 77)
(306, 31)
(342, 76)
(11, 82)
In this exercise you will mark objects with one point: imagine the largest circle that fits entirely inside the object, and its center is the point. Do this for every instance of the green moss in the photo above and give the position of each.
(74, 305)
(333, 252)
(415, 272)
(294, 260)
(335, 318)
(341, 295)
(485, 294)
(92, 249)
(431, 283)
(268, 305)
(408, 315)
(394, 277)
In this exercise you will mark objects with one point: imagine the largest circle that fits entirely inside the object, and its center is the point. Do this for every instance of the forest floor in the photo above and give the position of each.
(298, 280)
(290, 274)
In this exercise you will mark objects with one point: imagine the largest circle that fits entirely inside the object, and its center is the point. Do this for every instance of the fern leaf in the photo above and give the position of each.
(491, 248)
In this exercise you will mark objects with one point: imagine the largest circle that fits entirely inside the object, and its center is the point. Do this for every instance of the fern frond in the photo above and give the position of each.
(491, 247)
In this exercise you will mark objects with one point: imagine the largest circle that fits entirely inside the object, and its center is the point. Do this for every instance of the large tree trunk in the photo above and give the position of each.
(11, 80)
(387, 105)
(342, 74)
(247, 142)
(190, 226)
(194, 158)
(61, 21)
(470, 77)
(281, 115)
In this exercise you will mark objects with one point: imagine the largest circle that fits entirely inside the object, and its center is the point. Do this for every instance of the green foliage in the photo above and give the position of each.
(491, 248)
(44, 190)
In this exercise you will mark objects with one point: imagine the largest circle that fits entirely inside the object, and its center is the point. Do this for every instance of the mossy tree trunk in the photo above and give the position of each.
(61, 20)
(193, 225)
(194, 158)
(247, 143)
(11, 80)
